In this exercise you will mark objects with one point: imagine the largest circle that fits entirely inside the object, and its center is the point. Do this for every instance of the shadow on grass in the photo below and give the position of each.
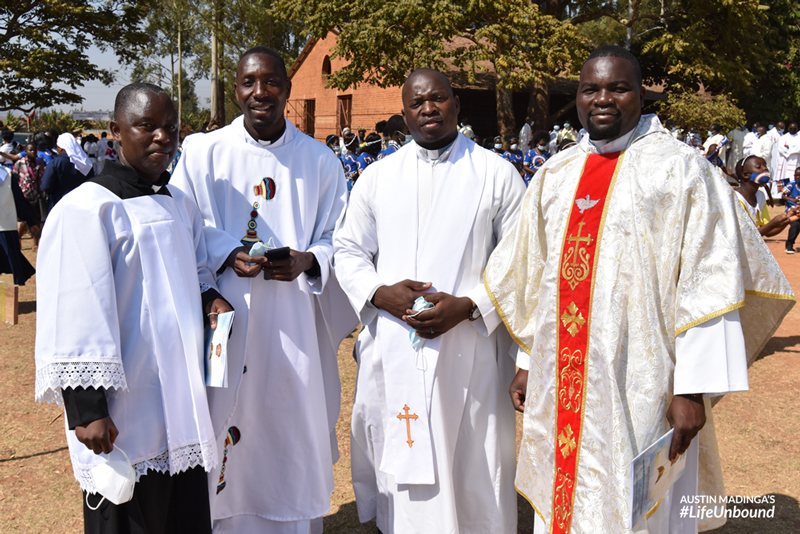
(27, 307)
(786, 517)
(780, 344)
(45, 453)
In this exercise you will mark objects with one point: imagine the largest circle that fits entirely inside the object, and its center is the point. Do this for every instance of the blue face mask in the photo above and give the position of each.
(566, 125)
(408, 139)
(771, 126)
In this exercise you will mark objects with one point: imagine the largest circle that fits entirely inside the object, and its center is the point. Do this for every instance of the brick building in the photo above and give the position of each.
(320, 111)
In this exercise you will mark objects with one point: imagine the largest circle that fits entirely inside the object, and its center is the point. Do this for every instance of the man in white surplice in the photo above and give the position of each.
(432, 440)
(261, 180)
(123, 287)
(683, 294)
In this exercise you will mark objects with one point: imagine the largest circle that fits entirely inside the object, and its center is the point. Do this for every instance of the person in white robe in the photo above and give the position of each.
(735, 146)
(525, 136)
(422, 224)
(260, 180)
(716, 137)
(787, 149)
(749, 139)
(676, 292)
(122, 289)
(775, 133)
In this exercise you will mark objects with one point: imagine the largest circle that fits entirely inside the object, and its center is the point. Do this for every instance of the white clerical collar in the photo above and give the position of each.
(437, 154)
(607, 146)
(266, 144)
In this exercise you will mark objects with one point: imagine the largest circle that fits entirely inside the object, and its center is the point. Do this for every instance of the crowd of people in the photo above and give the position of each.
(609, 279)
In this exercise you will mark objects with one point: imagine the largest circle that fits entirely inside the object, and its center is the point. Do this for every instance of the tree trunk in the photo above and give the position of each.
(180, 80)
(217, 96)
(505, 112)
(539, 105)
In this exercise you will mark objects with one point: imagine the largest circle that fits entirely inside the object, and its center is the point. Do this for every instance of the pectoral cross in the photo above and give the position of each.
(408, 419)
(577, 240)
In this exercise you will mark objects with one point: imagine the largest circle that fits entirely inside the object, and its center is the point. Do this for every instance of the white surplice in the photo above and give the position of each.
(787, 149)
(678, 261)
(431, 216)
(282, 399)
(118, 292)
(735, 147)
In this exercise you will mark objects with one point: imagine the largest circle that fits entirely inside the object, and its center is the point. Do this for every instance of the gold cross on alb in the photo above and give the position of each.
(408, 419)
(578, 239)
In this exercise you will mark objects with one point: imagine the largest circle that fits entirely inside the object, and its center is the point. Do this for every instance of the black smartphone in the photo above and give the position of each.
(275, 254)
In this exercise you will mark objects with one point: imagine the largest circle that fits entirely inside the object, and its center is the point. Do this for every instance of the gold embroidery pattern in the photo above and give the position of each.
(570, 380)
(575, 268)
(573, 319)
(567, 441)
(563, 500)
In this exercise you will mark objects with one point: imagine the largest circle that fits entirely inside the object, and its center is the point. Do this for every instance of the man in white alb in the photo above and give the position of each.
(432, 440)
(260, 180)
(787, 149)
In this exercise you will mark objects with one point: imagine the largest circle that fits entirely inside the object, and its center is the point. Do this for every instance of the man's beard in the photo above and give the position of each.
(607, 131)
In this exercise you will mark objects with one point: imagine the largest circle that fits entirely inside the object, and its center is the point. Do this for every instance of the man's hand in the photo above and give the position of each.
(288, 269)
(518, 389)
(794, 213)
(99, 436)
(215, 308)
(398, 298)
(687, 415)
(446, 313)
(243, 264)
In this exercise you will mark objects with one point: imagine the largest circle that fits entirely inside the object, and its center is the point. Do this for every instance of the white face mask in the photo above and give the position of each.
(513, 148)
(542, 148)
(114, 480)
(498, 146)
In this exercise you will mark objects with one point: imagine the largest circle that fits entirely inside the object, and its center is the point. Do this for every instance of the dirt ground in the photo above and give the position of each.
(755, 429)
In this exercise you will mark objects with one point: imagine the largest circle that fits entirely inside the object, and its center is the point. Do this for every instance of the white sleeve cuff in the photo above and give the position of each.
(711, 358)
(522, 359)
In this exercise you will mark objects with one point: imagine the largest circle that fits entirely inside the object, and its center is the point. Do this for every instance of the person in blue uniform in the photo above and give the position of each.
(514, 155)
(397, 131)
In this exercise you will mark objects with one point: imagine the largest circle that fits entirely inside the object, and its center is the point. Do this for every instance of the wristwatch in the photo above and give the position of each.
(474, 313)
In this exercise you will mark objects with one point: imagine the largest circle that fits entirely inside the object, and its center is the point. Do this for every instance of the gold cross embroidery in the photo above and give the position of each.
(573, 319)
(578, 239)
(408, 419)
(567, 441)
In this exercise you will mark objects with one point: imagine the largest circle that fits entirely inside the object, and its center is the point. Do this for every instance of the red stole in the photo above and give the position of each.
(576, 286)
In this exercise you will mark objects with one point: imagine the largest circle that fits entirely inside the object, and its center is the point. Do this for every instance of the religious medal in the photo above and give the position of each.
(266, 190)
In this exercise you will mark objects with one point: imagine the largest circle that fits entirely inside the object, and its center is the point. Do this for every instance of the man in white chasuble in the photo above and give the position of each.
(432, 439)
(640, 290)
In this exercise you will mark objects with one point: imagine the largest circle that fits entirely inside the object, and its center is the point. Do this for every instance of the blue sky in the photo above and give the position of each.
(98, 97)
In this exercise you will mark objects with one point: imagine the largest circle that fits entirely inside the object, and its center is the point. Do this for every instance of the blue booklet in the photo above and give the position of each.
(216, 353)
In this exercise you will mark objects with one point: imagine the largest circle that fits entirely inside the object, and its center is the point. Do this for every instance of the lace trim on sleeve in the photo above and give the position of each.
(172, 462)
(50, 380)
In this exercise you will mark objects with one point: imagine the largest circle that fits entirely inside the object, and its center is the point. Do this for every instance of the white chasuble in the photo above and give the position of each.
(275, 422)
(118, 288)
(432, 433)
(673, 251)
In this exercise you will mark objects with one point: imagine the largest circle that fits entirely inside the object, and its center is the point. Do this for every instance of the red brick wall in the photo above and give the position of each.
(371, 104)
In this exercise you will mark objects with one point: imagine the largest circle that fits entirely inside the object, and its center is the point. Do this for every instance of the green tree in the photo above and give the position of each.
(384, 41)
(692, 110)
(44, 47)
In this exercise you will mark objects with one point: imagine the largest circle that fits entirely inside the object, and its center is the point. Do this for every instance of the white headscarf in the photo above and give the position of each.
(76, 154)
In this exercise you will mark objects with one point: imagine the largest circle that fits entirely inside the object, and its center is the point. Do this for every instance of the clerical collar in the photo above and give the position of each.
(125, 182)
(269, 142)
(608, 146)
(436, 154)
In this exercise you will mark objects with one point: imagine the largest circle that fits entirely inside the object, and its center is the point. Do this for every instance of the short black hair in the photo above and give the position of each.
(394, 124)
(540, 135)
(8, 135)
(331, 138)
(380, 127)
(716, 128)
(264, 50)
(45, 142)
(373, 146)
(126, 96)
(618, 51)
